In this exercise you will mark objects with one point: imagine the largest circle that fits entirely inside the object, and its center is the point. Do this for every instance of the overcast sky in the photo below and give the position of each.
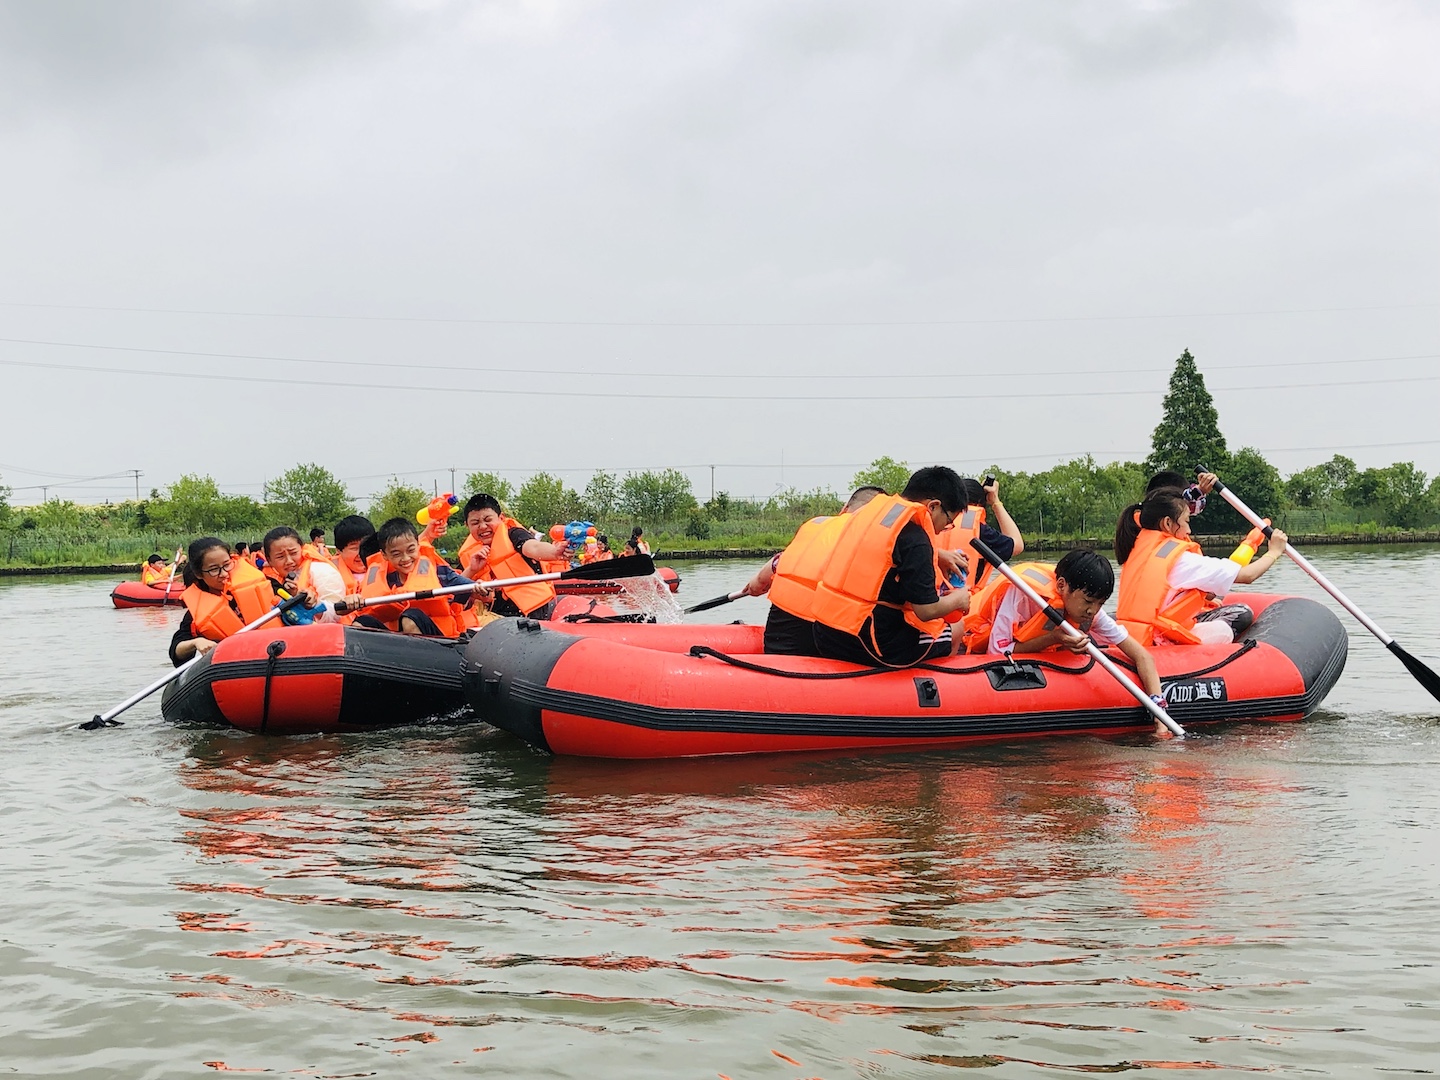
(783, 238)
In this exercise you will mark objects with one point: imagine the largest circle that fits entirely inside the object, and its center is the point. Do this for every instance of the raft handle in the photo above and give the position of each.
(927, 690)
(1015, 676)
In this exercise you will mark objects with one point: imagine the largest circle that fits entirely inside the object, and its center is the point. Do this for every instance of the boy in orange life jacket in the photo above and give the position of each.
(1083, 581)
(492, 540)
(316, 547)
(398, 559)
(155, 572)
(1003, 535)
(792, 633)
(1166, 582)
(877, 602)
(1194, 494)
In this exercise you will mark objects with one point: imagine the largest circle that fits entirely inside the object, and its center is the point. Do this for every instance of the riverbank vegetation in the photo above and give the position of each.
(1071, 500)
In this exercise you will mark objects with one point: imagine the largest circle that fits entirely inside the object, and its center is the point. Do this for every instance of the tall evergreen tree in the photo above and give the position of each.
(1188, 435)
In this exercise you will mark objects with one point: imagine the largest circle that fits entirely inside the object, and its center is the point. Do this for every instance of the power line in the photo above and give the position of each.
(647, 396)
(723, 375)
(718, 324)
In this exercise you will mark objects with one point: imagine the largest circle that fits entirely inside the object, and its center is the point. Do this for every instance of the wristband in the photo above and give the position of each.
(1158, 699)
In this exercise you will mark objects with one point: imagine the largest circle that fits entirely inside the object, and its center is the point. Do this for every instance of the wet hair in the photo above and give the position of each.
(157, 557)
(481, 501)
(936, 482)
(393, 529)
(280, 532)
(1165, 481)
(862, 495)
(317, 534)
(974, 491)
(352, 528)
(636, 533)
(241, 547)
(1087, 571)
(1158, 506)
(195, 554)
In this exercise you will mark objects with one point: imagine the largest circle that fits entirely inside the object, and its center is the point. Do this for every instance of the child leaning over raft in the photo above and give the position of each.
(1170, 593)
(1003, 620)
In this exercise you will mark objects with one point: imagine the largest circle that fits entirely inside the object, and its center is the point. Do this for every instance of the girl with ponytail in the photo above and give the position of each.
(1169, 591)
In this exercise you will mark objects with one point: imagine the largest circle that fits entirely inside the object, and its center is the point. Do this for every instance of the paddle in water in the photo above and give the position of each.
(1059, 620)
(627, 566)
(1423, 675)
(107, 718)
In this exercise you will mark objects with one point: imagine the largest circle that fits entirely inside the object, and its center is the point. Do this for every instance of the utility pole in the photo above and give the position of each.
(137, 484)
(712, 483)
(452, 478)
(44, 496)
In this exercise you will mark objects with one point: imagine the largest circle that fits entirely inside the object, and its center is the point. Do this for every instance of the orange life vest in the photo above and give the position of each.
(957, 536)
(211, 615)
(862, 558)
(316, 551)
(986, 604)
(424, 576)
(798, 571)
(1144, 585)
(149, 576)
(503, 561)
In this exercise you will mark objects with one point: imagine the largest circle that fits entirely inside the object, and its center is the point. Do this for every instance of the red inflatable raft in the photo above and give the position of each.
(326, 677)
(607, 690)
(297, 680)
(129, 594)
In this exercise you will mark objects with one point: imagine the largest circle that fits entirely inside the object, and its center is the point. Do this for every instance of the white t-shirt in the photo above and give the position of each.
(327, 582)
(1192, 571)
(1017, 609)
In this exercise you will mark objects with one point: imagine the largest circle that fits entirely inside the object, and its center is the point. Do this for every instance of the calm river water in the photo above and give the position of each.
(443, 901)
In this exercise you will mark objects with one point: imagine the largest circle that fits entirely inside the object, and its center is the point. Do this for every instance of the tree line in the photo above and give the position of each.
(1074, 498)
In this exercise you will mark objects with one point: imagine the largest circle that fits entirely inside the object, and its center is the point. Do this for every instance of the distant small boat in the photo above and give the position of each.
(130, 594)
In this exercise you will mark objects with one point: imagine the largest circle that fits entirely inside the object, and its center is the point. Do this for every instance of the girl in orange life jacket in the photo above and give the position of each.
(881, 578)
(1079, 586)
(221, 595)
(499, 547)
(403, 564)
(292, 568)
(1166, 583)
(792, 632)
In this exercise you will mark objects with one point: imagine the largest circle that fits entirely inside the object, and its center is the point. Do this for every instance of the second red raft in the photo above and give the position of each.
(619, 691)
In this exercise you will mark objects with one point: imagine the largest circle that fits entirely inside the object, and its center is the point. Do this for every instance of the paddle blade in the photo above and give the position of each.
(1423, 675)
(610, 569)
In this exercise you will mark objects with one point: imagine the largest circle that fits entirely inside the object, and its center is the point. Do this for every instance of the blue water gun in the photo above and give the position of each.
(299, 614)
(580, 536)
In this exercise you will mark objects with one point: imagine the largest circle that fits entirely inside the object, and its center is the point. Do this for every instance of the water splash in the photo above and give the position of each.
(652, 596)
